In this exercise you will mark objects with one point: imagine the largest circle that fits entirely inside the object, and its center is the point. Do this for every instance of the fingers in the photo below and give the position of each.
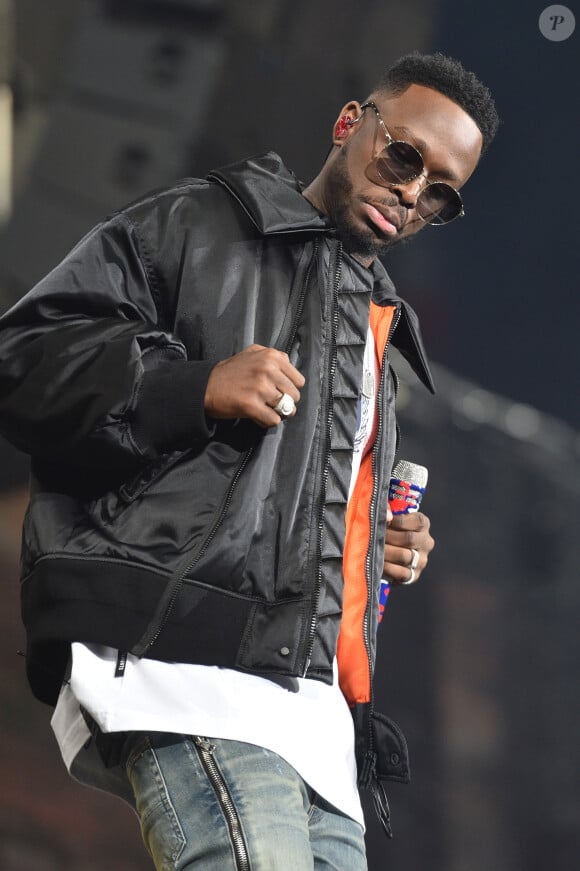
(250, 384)
(284, 385)
(282, 361)
(408, 544)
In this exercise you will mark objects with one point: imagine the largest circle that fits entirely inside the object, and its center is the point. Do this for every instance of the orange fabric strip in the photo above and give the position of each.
(353, 664)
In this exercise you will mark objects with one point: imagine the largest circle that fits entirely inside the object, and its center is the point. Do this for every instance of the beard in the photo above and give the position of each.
(362, 242)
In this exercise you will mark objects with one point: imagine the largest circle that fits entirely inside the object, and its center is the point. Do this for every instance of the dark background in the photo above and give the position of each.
(479, 661)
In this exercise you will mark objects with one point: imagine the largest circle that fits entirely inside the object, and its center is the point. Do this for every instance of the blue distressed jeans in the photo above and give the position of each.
(223, 805)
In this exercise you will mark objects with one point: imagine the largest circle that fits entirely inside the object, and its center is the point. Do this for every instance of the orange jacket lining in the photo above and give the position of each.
(353, 663)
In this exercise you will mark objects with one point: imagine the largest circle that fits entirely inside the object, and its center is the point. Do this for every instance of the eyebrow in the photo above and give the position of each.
(424, 149)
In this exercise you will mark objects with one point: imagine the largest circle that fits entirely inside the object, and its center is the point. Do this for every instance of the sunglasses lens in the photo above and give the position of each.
(439, 203)
(399, 163)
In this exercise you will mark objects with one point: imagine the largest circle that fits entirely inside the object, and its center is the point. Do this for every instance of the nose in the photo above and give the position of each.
(409, 191)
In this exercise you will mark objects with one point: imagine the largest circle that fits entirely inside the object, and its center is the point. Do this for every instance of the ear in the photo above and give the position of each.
(346, 123)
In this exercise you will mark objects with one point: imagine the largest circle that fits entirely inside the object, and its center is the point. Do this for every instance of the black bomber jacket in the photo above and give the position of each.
(154, 530)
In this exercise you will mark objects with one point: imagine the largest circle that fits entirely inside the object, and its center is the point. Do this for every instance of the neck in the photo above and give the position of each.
(310, 193)
(313, 194)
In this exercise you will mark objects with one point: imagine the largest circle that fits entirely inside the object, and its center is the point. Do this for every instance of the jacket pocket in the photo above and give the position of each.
(142, 482)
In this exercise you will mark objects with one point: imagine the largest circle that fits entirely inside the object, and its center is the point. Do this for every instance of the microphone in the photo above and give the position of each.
(406, 489)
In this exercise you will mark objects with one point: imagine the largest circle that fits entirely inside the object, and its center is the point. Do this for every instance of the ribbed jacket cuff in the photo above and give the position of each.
(170, 412)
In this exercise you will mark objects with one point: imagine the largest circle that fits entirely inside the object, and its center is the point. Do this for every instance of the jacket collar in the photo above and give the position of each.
(272, 198)
(407, 336)
(270, 195)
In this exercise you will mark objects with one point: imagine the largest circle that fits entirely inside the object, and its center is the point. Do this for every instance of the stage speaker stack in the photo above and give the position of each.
(135, 95)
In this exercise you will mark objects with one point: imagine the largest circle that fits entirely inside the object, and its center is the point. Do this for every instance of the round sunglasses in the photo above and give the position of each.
(400, 162)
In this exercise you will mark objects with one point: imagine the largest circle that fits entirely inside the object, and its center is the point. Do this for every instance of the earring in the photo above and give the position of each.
(341, 129)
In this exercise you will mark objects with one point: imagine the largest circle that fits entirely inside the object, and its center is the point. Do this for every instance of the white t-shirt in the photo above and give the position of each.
(304, 721)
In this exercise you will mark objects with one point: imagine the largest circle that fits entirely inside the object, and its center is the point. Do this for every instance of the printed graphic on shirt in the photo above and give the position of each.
(364, 411)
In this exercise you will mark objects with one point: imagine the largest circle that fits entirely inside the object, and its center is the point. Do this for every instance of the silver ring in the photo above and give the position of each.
(411, 578)
(285, 405)
(415, 560)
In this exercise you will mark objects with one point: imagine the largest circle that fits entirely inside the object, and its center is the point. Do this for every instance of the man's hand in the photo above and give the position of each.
(408, 543)
(250, 384)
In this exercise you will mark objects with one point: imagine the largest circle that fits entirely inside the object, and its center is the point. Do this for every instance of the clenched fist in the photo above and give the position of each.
(250, 384)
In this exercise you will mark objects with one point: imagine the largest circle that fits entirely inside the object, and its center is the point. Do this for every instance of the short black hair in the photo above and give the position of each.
(449, 77)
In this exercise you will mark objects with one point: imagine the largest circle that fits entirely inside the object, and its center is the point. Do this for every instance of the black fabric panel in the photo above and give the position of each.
(108, 602)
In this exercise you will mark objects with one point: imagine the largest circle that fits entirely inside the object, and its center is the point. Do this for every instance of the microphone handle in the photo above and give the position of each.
(406, 489)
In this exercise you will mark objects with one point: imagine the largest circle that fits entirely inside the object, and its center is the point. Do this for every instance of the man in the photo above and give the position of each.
(204, 387)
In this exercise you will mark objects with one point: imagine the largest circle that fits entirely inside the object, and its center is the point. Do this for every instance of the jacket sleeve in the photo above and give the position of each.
(88, 374)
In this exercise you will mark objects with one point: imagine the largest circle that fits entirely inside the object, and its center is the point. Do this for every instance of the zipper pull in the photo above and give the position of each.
(381, 804)
(205, 744)
(367, 770)
(368, 779)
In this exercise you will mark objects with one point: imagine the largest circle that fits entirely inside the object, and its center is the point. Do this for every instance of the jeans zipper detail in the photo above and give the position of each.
(205, 751)
(177, 583)
(329, 417)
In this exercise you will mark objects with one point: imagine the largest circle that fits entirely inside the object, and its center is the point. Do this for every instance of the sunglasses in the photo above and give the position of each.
(400, 162)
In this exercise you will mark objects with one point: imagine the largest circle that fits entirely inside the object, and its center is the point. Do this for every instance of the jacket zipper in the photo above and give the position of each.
(205, 751)
(372, 506)
(379, 795)
(301, 298)
(329, 417)
(142, 647)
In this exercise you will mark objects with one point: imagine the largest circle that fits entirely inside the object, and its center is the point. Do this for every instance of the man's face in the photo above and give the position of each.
(370, 216)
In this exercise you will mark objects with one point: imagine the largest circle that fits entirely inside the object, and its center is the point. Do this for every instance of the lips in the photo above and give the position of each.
(386, 220)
